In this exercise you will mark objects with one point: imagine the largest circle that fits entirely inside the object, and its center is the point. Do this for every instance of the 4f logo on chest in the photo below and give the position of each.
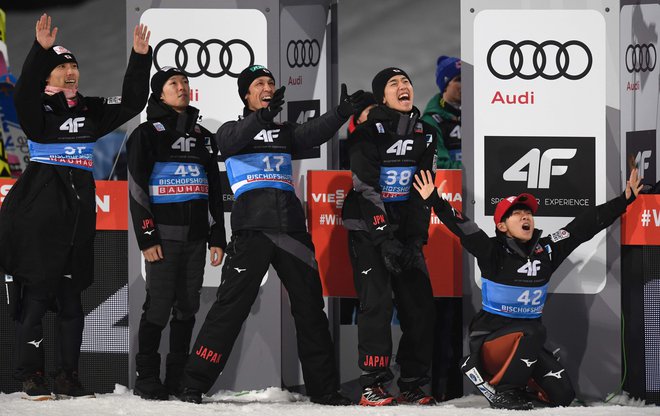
(267, 136)
(530, 268)
(184, 144)
(73, 124)
(401, 147)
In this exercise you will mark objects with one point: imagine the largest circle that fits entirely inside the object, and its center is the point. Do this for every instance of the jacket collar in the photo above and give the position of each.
(522, 249)
(182, 122)
(402, 123)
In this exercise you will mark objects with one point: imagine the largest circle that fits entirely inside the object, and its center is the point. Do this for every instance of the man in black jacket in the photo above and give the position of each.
(48, 219)
(174, 184)
(268, 227)
(507, 336)
(388, 226)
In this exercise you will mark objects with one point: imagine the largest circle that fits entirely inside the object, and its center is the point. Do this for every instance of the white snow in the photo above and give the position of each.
(274, 401)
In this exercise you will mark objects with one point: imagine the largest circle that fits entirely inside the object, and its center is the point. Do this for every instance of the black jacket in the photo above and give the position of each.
(174, 206)
(48, 219)
(509, 266)
(385, 153)
(267, 148)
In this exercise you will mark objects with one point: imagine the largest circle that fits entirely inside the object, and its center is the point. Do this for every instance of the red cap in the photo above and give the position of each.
(503, 206)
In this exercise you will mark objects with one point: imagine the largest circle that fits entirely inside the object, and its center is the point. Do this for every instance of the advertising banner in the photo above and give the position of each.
(640, 225)
(539, 92)
(326, 192)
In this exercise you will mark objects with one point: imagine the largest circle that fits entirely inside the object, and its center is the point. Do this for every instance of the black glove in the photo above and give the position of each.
(348, 104)
(411, 255)
(274, 106)
(390, 251)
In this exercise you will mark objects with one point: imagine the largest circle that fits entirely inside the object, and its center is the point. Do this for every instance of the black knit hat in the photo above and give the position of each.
(381, 78)
(160, 78)
(57, 55)
(248, 75)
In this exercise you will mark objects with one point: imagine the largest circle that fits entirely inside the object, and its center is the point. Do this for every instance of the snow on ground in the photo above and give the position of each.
(274, 401)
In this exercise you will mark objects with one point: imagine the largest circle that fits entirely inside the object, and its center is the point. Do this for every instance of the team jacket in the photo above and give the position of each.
(385, 153)
(515, 276)
(257, 156)
(447, 120)
(48, 219)
(174, 179)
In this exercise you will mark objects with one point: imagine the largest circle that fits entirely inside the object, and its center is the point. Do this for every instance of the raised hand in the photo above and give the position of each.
(633, 185)
(348, 104)
(45, 36)
(141, 35)
(275, 105)
(424, 184)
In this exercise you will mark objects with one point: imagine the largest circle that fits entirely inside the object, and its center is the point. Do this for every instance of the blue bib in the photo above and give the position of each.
(395, 182)
(513, 301)
(260, 170)
(172, 182)
(74, 155)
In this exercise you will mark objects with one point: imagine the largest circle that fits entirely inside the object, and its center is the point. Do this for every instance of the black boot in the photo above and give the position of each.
(67, 386)
(332, 399)
(147, 383)
(174, 366)
(190, 395)
(513, 399)
(35, 387)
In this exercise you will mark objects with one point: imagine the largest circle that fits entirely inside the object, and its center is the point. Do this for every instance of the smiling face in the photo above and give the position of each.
(260, 93)
(519, 224)
(64, 76)
(176, 92)
(398, 94)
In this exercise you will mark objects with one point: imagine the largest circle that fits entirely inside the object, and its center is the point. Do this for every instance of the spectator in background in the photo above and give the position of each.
(444, 112)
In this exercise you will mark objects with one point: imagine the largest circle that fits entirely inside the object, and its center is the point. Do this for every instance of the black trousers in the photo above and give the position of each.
(248, 256)
(413, 297)
(515, 357)
(173, 286)
(64, 299)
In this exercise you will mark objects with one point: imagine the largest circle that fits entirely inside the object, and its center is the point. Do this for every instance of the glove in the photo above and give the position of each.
(411, 255)
(390, 251)
(348, 104)
(274, 106)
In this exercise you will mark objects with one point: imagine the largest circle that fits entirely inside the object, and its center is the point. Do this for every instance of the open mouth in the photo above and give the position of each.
(266, 98)
(526, 226)
(70, 82)
(404, 97)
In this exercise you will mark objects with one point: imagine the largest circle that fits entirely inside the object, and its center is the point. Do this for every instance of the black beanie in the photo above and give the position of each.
(381, 78)
(248, 75)
(57, 55)
(160, 78)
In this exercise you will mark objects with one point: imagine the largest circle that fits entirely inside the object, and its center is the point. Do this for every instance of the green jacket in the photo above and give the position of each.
(447, 121)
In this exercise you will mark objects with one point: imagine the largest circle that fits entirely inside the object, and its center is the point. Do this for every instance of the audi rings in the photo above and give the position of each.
(303, 53)
(572, 65)
(206, 64)
(641, 58)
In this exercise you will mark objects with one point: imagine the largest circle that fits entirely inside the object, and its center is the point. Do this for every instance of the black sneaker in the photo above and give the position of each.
(376, 395)
(67, 386)
(190, 395)
(150, 388)
(331, 399)
(35, 388)
(416, 396)
(513, 399)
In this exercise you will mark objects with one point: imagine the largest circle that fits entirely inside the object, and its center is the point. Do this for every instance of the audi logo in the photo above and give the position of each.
(640, 58)
(572, 59)
(232, 56)
(303, 53)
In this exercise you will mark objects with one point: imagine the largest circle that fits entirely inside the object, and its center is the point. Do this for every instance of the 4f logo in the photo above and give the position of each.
(536, 168)
(267, 136)
(305, 116)
(531, 269)
(641, 161)
(72, 125)
(401, 147)
(184, 144)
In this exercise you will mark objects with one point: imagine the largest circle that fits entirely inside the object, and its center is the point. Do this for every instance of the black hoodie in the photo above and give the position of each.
(172, 164)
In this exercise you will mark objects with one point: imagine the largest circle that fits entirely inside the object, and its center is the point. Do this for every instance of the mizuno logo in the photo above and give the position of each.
(555, 375)
(366, 271)
(36, 343)
(465, 363)
(529, 363)
(381, 228)
(149, 232)
(239, 270)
